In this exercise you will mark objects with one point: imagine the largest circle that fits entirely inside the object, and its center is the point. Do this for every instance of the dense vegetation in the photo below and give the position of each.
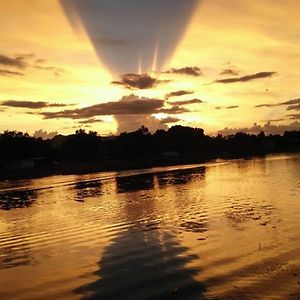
(178, 144)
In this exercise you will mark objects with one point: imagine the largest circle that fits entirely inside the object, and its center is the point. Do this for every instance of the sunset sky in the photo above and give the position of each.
(213, 64)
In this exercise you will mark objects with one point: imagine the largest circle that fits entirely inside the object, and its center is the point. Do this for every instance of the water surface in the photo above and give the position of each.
(223, 230)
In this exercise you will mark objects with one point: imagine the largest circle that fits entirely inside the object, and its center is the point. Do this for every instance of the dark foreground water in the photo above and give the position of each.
(226, 230)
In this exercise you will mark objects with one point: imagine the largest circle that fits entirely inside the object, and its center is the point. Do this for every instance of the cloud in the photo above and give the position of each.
(268, 128)
(136, 81)
(132, 106)
(44, 134)
(231, 72)
(17, 62)
(179, 93)
(232, 107)
(56, 71)
(227, 107)
(293, 104)
(91, 121)
(264, 105)
(192, 71)
(10, 73)
(187, 102)
(169, 120)
(294, 116)
(246, 78)
(31, 104)
(175, 109)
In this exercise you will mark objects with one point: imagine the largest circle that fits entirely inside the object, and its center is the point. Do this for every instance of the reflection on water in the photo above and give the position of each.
(17, 199)
(227, 230)
(141, 265)
(87, 189)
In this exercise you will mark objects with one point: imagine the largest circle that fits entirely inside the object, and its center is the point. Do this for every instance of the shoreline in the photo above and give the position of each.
(66, 168)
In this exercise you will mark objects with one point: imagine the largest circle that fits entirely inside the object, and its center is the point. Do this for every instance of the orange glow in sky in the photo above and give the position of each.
(246, 53)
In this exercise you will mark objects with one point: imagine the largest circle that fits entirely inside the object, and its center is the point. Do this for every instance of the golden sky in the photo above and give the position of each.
(246, 51)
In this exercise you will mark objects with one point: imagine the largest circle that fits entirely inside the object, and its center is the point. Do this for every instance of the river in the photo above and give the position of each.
(221, 230)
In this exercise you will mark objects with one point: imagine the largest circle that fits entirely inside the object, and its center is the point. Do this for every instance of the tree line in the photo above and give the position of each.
(178, 141)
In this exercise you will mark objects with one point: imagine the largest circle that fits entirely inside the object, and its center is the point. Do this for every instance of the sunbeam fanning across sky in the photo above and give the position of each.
(126, 32)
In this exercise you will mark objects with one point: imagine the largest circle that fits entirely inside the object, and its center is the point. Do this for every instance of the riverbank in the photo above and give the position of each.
(80, 168)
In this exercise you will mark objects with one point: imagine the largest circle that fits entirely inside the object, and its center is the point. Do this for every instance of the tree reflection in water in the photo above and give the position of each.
(144, 262)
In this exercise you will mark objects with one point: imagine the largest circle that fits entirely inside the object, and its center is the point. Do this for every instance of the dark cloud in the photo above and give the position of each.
(135, 106)
(192, 71)
(293, 104)
(232, 107)
(268, 128)
(17, 62)
(91, 121)
(187, 102)
(31, 104)
(128, 123)
(179, 93)
(264, 105)
(10, 73)
(169, 120)
(294, 116)
(136, 81)
(246, 78)
(227, 107)
(175, 109)
(231, 72)
(294, 107)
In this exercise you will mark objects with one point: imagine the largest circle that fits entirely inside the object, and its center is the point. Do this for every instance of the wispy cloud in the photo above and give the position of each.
(226, 107)
(187, 102)
(32, 104)
(91, 121)
(293, 104)
(179, 93)
(246, 78)
(10, 73)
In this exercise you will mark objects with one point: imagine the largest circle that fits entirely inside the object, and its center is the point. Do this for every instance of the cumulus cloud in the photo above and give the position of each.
(140, 82)
(31, 104)
(246, 78)
(10, 73)
(44, 134)
(268, 128)
(192, 71)
(169, 120)
(130, 105)
(128, 123)
(16, 61)
(179, 93)
(187, 102)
